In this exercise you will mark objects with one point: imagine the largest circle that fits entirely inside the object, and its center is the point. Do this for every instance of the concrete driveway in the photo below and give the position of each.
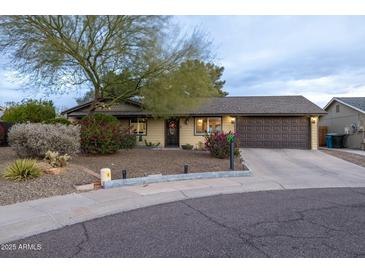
(294, 169)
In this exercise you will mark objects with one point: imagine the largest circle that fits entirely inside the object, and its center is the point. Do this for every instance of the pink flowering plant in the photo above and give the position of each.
(218, 145)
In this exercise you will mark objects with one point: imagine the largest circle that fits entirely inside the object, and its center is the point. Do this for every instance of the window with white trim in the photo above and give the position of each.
(138, 126)
(207, 125)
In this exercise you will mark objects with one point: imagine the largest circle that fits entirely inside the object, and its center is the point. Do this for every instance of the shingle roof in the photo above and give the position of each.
(356, 102)
(235, 105)
(259, 105)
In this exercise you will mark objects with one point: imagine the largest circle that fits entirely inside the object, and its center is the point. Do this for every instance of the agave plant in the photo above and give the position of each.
(22, 169)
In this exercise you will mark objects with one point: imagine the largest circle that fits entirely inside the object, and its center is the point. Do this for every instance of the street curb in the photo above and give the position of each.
(176, 177)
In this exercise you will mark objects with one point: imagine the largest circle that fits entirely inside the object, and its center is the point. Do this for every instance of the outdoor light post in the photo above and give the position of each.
(230, 139)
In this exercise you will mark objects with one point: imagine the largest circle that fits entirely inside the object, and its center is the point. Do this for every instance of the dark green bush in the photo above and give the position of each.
(100, 134)
(4, 129)
(58, 120)
(127, 140)
(33, 111)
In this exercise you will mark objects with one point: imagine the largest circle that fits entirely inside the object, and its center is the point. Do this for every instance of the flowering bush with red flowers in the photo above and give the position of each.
(100, 134)
(218, 144)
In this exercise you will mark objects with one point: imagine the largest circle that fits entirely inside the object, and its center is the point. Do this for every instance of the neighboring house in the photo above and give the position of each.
(260, 121)
(346, 115)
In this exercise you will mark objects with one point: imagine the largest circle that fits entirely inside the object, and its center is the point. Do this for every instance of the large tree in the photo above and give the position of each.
(137, 53)
(202, 75)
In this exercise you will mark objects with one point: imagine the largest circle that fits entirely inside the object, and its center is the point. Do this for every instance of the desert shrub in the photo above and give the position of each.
(34, 140)
(22, 169)
(100, 134)
(55, 159)
(127, 140)
(218, 144)
(58, 120)
(33, 111)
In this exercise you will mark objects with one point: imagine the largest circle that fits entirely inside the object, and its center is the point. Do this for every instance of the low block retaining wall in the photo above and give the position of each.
(176, 177)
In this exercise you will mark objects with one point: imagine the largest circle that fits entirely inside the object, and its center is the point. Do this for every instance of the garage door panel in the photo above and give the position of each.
(273, 132)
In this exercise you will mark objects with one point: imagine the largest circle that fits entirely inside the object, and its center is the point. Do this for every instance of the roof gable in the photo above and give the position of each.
(356, 103)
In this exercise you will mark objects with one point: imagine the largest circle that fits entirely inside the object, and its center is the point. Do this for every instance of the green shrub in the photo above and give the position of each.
(57, 160)
(127, 140)
(58, 120)
(100, 134)
(34, 140)
(218, 144)
(33, 111)
(150, 144)
(22, 169)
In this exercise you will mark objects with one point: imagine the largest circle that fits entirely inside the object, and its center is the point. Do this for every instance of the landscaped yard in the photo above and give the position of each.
(141, 162)
(44, 186)
(137, 162)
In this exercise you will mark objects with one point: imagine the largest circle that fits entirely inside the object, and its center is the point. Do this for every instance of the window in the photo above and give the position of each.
(138, 126)
(337, 108)
(207, 125)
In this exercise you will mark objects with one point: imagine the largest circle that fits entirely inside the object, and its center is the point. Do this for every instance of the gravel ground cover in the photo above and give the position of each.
(347, 156)
(42, 187)
(137, 162)
(142, 162)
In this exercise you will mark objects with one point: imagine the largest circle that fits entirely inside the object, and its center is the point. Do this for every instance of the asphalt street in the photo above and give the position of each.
(288, 223)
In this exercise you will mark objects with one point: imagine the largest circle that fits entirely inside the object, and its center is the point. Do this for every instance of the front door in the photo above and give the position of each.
(172, 132)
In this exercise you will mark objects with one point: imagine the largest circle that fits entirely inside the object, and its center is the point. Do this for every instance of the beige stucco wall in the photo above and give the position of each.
(314, 132)
(337, 121)
(187, 130)
(155, 132)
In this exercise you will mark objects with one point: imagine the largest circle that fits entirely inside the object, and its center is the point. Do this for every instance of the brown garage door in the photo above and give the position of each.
(273, 132)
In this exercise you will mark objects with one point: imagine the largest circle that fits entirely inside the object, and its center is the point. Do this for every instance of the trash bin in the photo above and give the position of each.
(329, 140)
(335, 140)
(338, 140)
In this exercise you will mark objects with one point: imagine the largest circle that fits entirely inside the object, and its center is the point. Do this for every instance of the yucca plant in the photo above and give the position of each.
(22, 169)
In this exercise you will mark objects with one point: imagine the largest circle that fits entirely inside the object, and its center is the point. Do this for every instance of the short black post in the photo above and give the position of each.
(124, 174)
(186, 169)
(231, 156)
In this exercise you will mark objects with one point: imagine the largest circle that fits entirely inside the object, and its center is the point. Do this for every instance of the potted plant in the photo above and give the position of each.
(187, 147)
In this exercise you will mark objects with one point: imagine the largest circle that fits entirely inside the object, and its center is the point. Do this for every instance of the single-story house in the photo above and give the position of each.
(260, 121)
(346, 115)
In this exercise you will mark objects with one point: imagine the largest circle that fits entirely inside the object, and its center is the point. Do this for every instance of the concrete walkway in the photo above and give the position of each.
(272, 169)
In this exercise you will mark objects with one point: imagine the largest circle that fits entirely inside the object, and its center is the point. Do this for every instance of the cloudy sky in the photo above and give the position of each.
(319, 57)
